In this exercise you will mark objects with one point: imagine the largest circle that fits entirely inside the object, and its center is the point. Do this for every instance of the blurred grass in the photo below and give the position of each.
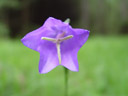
(103, 63)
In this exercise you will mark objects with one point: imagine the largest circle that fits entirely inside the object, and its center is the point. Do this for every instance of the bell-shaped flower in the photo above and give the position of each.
(58, 44)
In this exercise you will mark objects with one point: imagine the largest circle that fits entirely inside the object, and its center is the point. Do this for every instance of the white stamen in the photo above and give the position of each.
(66, 38)
(48, 39)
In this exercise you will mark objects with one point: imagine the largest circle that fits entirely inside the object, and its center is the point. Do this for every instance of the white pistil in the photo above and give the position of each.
(58, 52)
(57, 41)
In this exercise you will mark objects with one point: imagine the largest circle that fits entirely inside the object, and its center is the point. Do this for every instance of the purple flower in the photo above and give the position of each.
(58, 44)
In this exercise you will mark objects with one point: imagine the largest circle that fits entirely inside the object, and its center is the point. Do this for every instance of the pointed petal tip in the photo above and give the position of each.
(42, 72)
(88, 31)
(74, 69)
(51, 18)
(45, 67)
(22, 40)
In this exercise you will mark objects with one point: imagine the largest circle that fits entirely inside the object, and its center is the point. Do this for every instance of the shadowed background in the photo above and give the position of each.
(103, 60)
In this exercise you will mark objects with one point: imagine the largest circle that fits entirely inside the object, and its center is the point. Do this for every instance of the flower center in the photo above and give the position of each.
(59, 38)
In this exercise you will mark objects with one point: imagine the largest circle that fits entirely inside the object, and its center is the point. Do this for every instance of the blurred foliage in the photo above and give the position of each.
(103, 64)
(20, 15)
(9, 3)
(105, 16)
(3, 30)
(99, 16)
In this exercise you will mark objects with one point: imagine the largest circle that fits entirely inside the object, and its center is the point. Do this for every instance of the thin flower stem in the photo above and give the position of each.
(66, 81)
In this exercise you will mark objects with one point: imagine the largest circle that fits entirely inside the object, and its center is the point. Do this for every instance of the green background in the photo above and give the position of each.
(103, 70)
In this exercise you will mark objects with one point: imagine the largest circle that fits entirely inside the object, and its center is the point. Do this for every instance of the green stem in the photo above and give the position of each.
(66, 81)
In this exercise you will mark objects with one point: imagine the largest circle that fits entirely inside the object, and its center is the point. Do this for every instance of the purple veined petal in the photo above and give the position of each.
(55, 25)
(50, 22)
(69, 52)
(48, 57)
(33, 39)
(47, 63)
(70, 48)
(81, 36)
(69, 60)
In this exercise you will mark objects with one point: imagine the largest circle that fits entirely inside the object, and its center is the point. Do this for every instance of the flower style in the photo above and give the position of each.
(58, 44)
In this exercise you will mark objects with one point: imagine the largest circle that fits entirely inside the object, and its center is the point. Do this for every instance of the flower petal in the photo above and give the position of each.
(32, 39)
(48, 57)
(81, 36)
(69, 60)
(50, 22)
(70, 48)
